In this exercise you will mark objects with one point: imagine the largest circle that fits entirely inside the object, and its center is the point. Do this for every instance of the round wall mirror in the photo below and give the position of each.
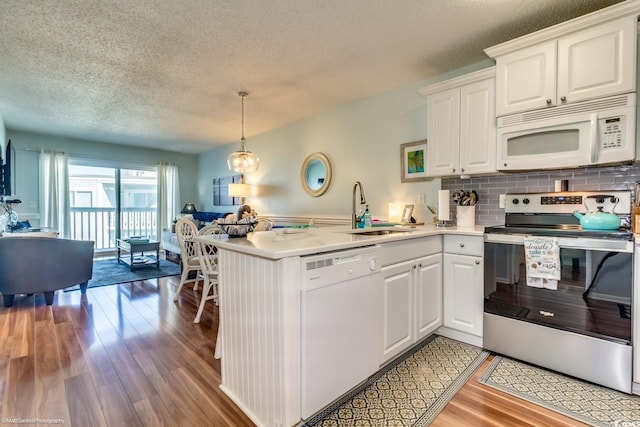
(315, 175)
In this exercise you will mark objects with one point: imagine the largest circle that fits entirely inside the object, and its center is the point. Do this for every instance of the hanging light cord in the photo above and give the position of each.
(243, 160)
(242, 139)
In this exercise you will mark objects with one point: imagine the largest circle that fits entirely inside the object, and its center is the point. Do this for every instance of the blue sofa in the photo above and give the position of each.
(203, 217)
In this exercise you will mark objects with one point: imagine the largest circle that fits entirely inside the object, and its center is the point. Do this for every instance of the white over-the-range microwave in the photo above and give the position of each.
(596, 132)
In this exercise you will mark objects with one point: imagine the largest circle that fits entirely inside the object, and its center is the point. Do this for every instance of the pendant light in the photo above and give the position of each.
(243, 161)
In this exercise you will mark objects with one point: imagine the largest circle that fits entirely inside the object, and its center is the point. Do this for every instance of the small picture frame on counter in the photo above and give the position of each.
(406, 214)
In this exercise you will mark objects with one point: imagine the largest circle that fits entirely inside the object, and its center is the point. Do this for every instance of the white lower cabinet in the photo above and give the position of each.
(428, 296)
(463, 293)
(463, 288)
(412, 302)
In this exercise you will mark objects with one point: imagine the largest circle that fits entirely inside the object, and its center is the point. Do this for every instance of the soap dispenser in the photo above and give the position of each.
(367, 217)
(360, 219)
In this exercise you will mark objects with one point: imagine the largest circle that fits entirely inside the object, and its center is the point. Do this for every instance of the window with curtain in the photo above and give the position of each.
(54, 195)
(109, 202)
(168, 195)
(88, 199)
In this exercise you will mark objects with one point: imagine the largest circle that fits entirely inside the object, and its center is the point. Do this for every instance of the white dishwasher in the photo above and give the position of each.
(341, 333)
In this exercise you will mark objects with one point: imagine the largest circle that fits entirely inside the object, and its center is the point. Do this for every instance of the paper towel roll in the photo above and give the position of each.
(443, 205)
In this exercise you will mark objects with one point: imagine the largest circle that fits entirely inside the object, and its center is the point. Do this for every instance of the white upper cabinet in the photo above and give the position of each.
(461, 128)
(591, 63)
(526, 79)
(478, 127)
(443, 133)
(598, 61)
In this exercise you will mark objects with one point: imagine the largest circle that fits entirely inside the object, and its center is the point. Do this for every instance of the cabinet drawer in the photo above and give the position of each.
(463, 245)
(404, 250)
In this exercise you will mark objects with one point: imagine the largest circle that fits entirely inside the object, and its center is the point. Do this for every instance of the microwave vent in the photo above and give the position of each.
(564, 110)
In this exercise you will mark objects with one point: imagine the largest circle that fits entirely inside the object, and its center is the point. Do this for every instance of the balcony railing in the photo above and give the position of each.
(99, 225)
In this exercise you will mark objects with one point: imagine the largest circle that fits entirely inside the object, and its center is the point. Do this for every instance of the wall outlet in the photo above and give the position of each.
(501, 201)
(421, 199)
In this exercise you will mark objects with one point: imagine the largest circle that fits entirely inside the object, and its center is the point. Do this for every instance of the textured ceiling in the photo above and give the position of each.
(164, 74)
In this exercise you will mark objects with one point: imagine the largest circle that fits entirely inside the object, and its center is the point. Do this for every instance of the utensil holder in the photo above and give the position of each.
(466, 216)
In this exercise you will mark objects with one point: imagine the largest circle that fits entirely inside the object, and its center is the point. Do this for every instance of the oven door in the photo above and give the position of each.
(572, 329)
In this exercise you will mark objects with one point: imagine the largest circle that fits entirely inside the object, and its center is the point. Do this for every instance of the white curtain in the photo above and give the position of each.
(54, 192)
(168, 195)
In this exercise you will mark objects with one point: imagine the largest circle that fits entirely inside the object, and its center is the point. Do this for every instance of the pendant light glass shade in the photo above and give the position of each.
(243, 161)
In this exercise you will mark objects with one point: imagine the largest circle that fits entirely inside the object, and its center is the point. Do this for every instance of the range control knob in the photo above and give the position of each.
(525, 201)
(515, 201)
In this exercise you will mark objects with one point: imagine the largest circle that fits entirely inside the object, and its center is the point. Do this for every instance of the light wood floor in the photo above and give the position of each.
(127, 355)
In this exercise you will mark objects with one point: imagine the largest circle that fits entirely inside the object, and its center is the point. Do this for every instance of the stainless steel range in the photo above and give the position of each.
(558, 295)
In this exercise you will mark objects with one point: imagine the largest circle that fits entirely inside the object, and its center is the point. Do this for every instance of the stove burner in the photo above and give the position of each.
(553, 214)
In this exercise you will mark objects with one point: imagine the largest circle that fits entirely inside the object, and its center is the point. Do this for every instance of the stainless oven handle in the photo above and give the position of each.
(517, 239)
(566, 242)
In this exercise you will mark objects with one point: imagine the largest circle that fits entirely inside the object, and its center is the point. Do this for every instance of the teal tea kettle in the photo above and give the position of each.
(599, 220)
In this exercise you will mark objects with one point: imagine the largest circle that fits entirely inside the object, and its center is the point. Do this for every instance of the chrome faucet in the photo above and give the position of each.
(363, 200)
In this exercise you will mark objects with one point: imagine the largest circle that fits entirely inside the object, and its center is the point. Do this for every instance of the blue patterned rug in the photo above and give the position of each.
(580, 400)
(109, 272)
(410, 391)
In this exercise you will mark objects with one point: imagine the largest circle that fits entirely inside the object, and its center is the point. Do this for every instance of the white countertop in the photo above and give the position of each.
(283, 243)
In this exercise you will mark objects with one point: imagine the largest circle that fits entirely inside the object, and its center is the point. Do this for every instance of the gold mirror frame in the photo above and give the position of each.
(308, 162)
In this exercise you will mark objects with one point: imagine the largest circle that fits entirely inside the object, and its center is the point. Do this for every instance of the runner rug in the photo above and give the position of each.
(580, 400)
(410, 391)
(108, 271)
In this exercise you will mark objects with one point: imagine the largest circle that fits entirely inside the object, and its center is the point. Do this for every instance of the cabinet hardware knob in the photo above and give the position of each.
(477, 262)
(462, 245)
(549, 101)
(505, 164)
(461, 169)
(420, 265)
(415, 266)
(453, 170)
(563, 99)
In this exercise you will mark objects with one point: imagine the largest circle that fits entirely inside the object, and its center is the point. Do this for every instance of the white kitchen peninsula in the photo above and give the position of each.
(260, 312)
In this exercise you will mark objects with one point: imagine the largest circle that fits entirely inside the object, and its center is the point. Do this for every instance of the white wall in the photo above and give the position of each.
(362, 141)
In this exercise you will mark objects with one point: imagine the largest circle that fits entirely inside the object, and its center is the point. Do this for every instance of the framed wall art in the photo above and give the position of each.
(221, 195)
(413, 157)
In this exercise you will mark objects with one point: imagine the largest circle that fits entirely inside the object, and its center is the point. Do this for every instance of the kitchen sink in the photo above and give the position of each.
(381, 232)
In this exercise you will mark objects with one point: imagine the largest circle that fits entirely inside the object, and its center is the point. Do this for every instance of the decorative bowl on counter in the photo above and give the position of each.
(237, 229)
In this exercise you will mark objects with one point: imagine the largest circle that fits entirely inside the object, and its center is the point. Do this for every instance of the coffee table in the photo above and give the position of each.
(127, 253)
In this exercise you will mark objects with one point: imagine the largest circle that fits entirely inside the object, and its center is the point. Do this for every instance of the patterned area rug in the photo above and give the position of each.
(108, 271)
(582, 401)
(410, 391)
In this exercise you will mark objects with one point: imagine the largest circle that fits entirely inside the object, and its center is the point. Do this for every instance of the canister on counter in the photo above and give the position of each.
(562, 185)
